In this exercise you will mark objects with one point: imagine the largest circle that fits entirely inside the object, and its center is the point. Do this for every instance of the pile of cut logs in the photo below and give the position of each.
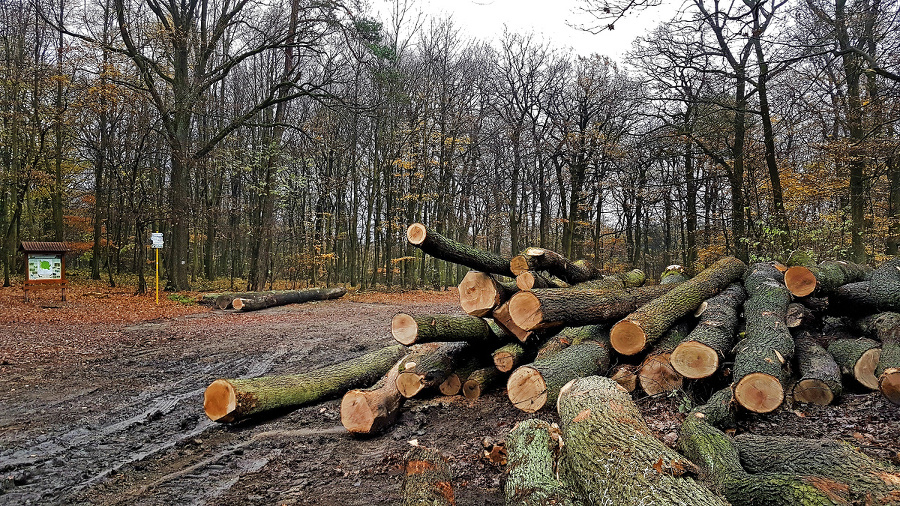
(565, 335)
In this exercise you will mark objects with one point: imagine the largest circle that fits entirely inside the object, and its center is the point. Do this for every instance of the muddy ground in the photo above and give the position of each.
(101, 403)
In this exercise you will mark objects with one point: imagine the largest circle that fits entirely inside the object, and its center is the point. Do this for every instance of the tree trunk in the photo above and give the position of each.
(272, 299)
(704, 349)
(820, 376)
(824, 278)
(540, 259)
(480, 293)
(647, 324)
(761, 358)
(427, 480)
(453, 383)
(430, 368)
(480, 381)
(438, 246)
(504, 319)
(885, 286)
(374, 409)
(530, 280)
(229, 400)
(532, 386)
(857, 358)
(610, 455)
(531, 478)
(853, 299)
(508, 357)
(551, 307)
(409, 330)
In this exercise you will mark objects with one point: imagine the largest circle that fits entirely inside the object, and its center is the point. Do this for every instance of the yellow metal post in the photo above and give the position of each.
(157, 276)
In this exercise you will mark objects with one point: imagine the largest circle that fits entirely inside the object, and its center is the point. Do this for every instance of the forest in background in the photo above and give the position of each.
(295, 140)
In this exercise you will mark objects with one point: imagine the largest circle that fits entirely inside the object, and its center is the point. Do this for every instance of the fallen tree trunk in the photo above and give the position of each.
(701, 353)
(645, 325)
(826, 277)
(540, 259)
(533, 386)
(508, 357)
(504, 319)
(656, 374)
(858, 359)
(292, 297)
(480, 381)
(225, 300)
(620, 281)
(610, 455)
(820, 376)
(480, 293)
(430, 368)
(229, 400)
(408, 329)
(888, 370)
(545, 308)
(449, 250)
(374, 409)
(529, 280)
(761, 358)
(853, 299)
(531, 479)
(673, 274)
(885, 286)
(719, 410)
(426, 479)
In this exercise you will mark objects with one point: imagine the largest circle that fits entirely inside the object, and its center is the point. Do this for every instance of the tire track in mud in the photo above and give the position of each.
(159, 418)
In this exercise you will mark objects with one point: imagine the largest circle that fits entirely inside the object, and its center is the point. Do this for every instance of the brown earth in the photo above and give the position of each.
(101, 403)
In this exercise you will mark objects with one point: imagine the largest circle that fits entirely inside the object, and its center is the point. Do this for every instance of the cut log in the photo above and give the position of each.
(408, 329)
(620, 281)
(858, 359)
(761, 358)
(531, 480)
(273, 299)
(887, 327)
(645, 325)
(853, 299)
(372, 410)
(673, 274)
(719, 411)
(427, 480)
(820, 376)
(549, 307)
(701, 353)
(825, 277)
(799, 316)
(719, 463)
(429, 369)
(225, 300)
(480, 293)
(480, 381)
(535, 385)
(229, 400)
(453, 384)
(438, 246)
(529, 280)
(656, 374)
(853, 474)
(885, 286)
(508, 357)
(504, 319)
(610, 455)
(540, 259)
(626, 376)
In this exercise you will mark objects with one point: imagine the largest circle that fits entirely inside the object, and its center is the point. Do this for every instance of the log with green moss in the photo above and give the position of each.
(480, 293)
(886, 328)
(824, 278)
(704, 349)
(426, 479)
(640, 329)
(371, 410)
(509, 356)
(540, 259)
(820, 376)
(428, 369)
(853, 299)
(535, 385)
(538, 309)
(762, 357)
(720, 465)
(529, 280)
(531, 480)
(851, 473)
(272, 299)
(720, 410)
(453, 383)
(438, 246)
(610, 456)
(858, 359)
(618, 281)
(229, 400)
(673, 274)
(413, 329)
(656, 374)
(481, 381)
(884, 286)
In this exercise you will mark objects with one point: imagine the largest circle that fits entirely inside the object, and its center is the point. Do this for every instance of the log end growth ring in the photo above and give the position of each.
(219, 401)
(864, 369)
(759, 392)
(238, 303)
(525, 310)
(813, 391)
(889, 383)
(409, 384)
(504, 361)
(527, 389)
(471, 390)
(658, 376)
(356, 414)
(695, 360)
(800, 281)
(524, 280)
(478, 294)
(518, 265)
(627, 337)
(404, 329)
(416, 234)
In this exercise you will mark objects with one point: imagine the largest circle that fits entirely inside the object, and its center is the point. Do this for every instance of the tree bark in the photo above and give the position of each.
(885, 286)
(551, 307)
(540, 259)
(610, 455)
(508, 357)
(857, 358)
(229, 400)
(449, 250)
(504, 319)
(719, 410)
(409, 330)
(853, 299)
(530, 280)
(824, 278)
(430, 368)
(647, 324)
(480, 381)
(672, 275)
(820, 376)
(272, 299)
(480, 293)
(704, 349)
(374, 409)
(427, 480)
(531, 480)
(762, 357)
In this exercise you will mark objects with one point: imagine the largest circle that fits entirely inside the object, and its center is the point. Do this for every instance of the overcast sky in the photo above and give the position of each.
(485, 19)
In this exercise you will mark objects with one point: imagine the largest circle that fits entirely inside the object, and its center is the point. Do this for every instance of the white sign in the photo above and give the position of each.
(156, 240)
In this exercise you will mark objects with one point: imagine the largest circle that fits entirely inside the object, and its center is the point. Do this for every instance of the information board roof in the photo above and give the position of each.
(43, 247)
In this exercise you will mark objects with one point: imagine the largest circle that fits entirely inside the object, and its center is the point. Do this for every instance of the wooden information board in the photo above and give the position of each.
(45, 266)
